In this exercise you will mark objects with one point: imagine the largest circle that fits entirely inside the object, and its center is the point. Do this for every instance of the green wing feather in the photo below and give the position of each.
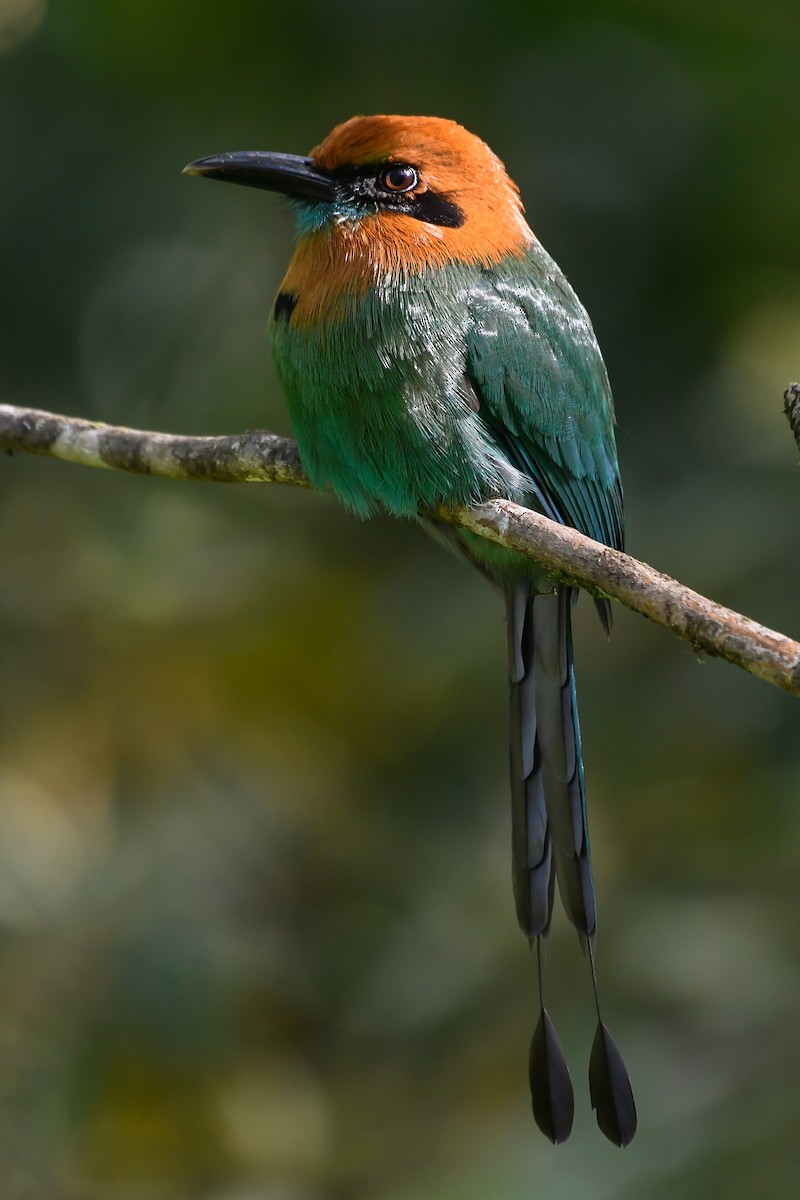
(533, 359)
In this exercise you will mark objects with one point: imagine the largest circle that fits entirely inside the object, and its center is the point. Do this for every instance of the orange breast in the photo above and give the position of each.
(348, 258)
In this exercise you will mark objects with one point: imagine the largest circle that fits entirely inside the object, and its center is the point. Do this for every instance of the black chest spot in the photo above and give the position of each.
(285, 304)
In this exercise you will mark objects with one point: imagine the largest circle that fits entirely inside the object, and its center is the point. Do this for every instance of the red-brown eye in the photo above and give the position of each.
(399, 178)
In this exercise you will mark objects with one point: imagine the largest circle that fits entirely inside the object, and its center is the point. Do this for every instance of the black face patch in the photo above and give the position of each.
(285, 304)
(361, 186)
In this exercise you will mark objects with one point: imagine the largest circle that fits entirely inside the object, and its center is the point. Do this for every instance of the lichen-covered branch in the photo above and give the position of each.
(791, 406)
(252, 457)
(264, 458)
(602, 571)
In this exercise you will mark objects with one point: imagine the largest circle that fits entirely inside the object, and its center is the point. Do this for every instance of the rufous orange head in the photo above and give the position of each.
(388, 193)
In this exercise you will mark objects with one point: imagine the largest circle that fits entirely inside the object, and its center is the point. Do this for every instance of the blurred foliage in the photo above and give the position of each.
(257, 939)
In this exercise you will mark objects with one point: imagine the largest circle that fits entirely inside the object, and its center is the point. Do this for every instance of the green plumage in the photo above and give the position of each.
(454, 385)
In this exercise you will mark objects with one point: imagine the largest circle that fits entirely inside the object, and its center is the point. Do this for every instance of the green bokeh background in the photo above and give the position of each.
(257, 939)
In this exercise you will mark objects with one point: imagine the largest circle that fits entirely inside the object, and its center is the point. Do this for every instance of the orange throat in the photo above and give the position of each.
(346, 259)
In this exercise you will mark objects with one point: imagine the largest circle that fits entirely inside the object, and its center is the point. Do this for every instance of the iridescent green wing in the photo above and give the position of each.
(544, 392)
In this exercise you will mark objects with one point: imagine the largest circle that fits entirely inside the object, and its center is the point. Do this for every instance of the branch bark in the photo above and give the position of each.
(252, 457)
(791, 406)
(259, 457)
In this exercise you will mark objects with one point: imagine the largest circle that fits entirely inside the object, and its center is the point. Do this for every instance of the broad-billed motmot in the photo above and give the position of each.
(432, 353)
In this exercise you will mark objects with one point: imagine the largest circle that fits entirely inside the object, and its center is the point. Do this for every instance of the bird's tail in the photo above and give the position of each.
(550, 842)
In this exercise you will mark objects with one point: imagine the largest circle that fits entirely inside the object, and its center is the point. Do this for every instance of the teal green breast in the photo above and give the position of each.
(452, 386)
(380, 402)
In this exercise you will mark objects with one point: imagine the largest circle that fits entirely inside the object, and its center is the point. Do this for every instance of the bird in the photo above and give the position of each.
(432, 354)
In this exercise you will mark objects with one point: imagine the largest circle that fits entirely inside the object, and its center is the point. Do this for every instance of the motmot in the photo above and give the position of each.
(432, 354)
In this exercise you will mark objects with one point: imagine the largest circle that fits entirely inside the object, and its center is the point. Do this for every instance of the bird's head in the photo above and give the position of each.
(401, 192)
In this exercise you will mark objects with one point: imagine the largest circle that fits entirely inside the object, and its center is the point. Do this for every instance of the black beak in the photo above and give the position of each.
(287, 173)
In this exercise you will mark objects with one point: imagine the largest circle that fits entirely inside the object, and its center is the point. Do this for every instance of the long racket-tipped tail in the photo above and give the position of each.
(550, 842)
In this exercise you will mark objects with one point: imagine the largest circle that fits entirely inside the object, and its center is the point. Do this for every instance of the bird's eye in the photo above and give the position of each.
(399, 178)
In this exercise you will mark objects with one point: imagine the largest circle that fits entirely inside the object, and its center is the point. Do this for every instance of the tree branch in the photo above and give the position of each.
(259, 457)
(253, 457)
(791, 406)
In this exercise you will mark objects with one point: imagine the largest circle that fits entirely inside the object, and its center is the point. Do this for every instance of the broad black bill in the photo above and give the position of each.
(610, 1090)
(287, 173)
(552, 1098)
